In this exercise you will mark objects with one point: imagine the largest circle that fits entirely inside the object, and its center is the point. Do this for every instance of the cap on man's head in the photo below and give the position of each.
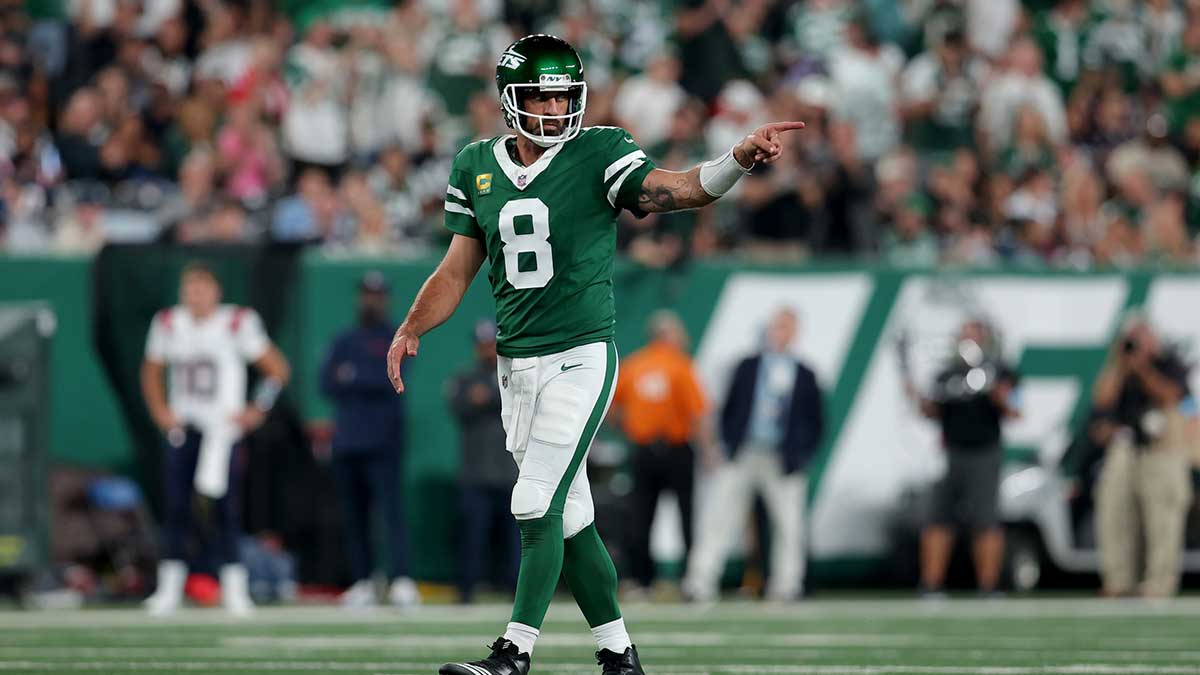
(374, 282)
(485, 331)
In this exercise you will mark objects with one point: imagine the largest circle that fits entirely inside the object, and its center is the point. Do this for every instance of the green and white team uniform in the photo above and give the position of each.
(550, 234)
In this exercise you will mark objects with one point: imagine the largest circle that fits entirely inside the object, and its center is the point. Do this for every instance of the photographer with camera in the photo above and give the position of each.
(1146, 464)
(971, 397)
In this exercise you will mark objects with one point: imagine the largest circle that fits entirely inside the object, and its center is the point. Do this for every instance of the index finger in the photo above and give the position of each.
(776, 127)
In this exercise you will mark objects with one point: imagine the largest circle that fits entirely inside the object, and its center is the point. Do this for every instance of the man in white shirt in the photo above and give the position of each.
(1021, 83)
(646, 104)
(990, 25)
(864, 73)
(771, 427)
(315, 126)
(205, 346)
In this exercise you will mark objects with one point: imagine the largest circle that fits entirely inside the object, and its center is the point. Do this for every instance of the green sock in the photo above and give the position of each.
(591, 576)
(541, 565)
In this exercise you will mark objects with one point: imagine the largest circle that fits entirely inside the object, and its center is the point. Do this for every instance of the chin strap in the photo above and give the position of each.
(543, 143)
(541, 140)
(718, 176)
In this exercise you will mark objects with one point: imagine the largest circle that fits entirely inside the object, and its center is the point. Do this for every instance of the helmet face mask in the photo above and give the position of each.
(541, 64)
(532, 125)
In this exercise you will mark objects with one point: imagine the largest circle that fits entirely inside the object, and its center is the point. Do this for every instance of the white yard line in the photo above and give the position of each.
(213, 666)
(999, 657)
(294, 615)
(748, 669)
(713, 640)
(659, 653)
(578, 639)
(1083, 669)
(575, 639)
(563, 609)
(1005, 608)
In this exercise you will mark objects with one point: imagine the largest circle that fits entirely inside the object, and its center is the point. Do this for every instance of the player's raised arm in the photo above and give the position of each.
(702, 185)
(438, 298)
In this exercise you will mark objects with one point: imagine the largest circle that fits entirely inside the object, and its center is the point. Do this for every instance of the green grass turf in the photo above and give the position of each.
(823, 637)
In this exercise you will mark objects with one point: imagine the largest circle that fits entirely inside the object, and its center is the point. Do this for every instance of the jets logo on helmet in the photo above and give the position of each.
(541, 63)
(510, 59)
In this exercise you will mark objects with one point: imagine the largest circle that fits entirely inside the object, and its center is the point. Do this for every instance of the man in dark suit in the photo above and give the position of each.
(368, 445)
(771, 426)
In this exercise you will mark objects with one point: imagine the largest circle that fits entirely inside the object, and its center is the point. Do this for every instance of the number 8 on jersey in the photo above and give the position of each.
(550, 235)
(537, 243)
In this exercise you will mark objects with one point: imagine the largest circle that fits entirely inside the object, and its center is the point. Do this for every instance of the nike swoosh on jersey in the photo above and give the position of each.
(628, 140)
(565, 367)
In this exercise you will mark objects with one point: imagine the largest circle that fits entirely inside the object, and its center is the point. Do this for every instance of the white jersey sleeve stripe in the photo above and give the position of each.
(455, 208)
(455, 192)
(616, 186)
(620, 164)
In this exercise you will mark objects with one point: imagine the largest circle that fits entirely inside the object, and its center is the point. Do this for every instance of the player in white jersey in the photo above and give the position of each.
(204, 347)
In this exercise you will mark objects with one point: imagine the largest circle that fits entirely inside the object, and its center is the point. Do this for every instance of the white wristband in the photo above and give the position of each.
(718, 176)
(267, 393)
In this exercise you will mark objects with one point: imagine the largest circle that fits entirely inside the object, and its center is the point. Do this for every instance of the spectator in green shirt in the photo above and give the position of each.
(1061, 33)
(464, 53)
(1117, 47)
(940, 97)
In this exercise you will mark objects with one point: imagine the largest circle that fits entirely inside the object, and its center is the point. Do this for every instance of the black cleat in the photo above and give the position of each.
(620, 664)
(505, 660)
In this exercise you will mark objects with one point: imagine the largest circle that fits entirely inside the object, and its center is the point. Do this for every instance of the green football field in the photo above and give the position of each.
(823, 637)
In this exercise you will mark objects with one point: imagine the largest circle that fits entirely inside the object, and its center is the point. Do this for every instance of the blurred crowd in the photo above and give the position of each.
(973, 132)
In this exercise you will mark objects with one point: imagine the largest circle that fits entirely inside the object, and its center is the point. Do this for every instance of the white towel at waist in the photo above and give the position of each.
(216, 446)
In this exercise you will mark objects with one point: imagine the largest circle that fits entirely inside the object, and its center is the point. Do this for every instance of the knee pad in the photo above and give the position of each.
(529, 500)
(576, 516)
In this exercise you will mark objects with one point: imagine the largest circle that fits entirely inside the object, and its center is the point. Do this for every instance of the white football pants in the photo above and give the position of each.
(753, 470)
(551, 407)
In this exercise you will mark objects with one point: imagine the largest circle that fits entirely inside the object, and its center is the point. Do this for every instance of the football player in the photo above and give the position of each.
(539, 207)
(205, 346)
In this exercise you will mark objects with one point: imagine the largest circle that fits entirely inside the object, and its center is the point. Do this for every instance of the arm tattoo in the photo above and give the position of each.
(664, 191)
(656, 198)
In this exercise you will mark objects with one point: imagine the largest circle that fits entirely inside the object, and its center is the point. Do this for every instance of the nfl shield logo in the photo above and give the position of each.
(521, 180)
(504, 381)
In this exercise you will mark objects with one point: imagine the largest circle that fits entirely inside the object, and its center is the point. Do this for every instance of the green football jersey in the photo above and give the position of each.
(550, 233)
